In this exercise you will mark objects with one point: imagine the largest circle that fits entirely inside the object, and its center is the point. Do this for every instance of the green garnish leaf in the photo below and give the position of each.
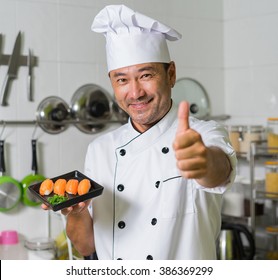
(56, 199)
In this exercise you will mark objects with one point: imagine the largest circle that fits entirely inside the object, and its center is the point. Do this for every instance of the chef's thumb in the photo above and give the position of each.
(183, 117)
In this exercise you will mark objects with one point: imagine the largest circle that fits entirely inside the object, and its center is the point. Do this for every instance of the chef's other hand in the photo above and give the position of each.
(190, 151)
(75, 209)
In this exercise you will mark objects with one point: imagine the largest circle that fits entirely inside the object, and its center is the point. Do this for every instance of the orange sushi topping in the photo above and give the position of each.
(84, 186)
(60, 187)
(72, 186)
(46, 187)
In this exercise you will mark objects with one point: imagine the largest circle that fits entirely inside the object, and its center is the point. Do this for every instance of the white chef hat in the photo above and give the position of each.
(132, 38)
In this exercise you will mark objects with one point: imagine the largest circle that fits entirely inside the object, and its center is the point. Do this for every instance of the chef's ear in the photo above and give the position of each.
(172, 73)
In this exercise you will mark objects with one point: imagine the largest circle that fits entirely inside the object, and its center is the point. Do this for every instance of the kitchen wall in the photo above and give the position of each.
(251, 60)
(228, 46)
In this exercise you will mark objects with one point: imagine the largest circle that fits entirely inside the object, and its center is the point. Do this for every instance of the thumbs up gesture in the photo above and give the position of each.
(190, 151)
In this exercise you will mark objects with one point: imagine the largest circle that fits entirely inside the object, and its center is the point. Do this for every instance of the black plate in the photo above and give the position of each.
(94, 191)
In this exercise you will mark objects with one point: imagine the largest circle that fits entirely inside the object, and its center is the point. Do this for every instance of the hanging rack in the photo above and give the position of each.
(35, 122)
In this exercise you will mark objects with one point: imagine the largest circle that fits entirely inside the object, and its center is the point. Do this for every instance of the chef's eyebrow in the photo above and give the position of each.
(146, 68)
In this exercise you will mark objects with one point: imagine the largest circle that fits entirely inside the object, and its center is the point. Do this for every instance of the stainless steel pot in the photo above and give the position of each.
(91, 107)
(51, 112)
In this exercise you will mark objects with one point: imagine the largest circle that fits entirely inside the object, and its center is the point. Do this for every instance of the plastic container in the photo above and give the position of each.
(233, 200)
(11, 248)
(271, 178)
(272, 134)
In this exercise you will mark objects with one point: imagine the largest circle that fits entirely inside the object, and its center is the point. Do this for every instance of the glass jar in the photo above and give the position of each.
(272, 134)
(242, 135)
(234, 135)
(271, 178)
(41, 249)
(250, 134)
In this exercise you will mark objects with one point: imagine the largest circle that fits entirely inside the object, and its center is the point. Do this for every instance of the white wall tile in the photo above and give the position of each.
(76, 39)
(200, 37)
(236, 9)
(251, 42)
(39, 22)
(252, 92)
(8, 24)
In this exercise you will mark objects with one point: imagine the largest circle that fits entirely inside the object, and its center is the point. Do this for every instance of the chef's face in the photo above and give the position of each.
(144, 91)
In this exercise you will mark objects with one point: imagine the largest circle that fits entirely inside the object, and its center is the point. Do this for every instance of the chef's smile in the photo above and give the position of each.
(140, 105)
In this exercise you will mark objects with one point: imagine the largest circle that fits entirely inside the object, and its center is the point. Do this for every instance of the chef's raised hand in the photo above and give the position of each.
(190, 151)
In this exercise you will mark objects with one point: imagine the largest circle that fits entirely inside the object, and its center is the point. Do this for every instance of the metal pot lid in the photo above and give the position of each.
(192, 91)
(51, 112)
(91, 107)
(119, 113)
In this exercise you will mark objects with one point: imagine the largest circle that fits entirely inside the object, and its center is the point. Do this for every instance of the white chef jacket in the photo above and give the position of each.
(147, 210)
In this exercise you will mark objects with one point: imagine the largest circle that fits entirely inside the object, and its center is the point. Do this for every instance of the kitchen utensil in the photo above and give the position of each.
(10, 189)
(29, 79)
(51, 113)
(230, 244)
(94, 191)
(1, 40)
(33, 178)
(12, 70)
(192, 91)
(91, 103)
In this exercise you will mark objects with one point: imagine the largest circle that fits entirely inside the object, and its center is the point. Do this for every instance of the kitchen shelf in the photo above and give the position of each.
(245, 220)
(260, 150)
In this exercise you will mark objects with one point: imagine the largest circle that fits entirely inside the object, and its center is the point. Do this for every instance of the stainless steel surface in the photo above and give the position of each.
(52, 122)
(217, 118)
(12, 70)
(10, 189)
(225, 245)
(119, 113)
(54, 110)
(9, 195)
(29, 78)
(92, 103)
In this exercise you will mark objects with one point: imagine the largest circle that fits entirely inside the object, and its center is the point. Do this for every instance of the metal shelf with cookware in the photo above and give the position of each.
(266, 229)
(91, 108)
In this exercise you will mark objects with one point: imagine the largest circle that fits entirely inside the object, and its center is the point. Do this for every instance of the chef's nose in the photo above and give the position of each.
(136, 90)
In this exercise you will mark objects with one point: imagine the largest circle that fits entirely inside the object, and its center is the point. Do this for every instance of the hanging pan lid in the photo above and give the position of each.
(51, 112)
(192, 91)
(91, 106)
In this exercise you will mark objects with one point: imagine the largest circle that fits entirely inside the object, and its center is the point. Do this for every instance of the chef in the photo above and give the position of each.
(164, 173)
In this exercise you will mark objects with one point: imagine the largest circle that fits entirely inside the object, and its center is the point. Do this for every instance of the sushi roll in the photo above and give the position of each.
(60, 187)
(72, 186)
(46, 187)
(84, 186)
